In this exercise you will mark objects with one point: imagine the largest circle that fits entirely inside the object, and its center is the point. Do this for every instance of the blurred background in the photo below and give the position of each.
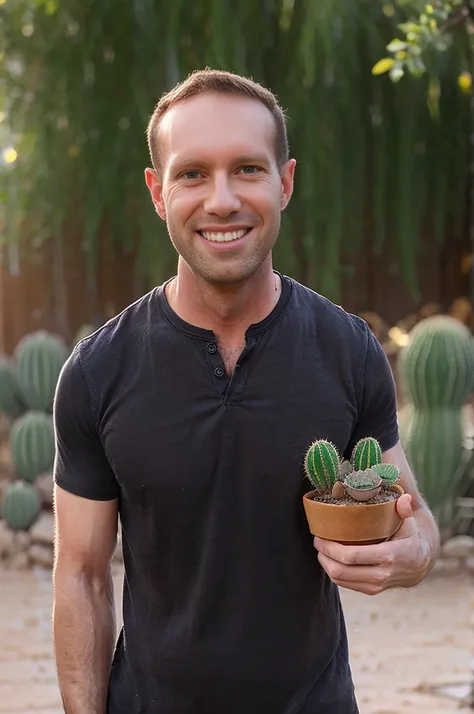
(380, 108)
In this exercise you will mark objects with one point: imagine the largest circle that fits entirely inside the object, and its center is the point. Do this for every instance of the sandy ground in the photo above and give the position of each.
(405, 645)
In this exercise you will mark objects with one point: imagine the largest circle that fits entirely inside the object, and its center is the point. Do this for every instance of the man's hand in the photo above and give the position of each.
(402, 561)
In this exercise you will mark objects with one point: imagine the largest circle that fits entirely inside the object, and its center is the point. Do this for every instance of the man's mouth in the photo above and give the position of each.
(224, 237)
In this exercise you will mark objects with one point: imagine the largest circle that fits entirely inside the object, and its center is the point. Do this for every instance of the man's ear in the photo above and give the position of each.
(156, 191)
(287, 181)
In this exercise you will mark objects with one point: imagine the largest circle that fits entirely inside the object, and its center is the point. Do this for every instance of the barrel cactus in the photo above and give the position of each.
(437, 370)
(21, 506)
(366, 453)
(32, 444)
(322, 465)
(40, 357)
(11, 400)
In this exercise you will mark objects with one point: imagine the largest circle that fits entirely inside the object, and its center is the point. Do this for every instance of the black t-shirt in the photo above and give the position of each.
(226, 609)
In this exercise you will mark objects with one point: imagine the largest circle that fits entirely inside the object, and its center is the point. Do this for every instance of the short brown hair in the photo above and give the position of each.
(213, 80)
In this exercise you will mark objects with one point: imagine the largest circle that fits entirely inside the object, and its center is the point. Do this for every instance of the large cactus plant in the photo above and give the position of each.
(40, 357)
(32, 444)
(437, 369)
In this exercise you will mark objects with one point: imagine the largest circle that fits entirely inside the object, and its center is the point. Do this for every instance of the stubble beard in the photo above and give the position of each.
(222, 272)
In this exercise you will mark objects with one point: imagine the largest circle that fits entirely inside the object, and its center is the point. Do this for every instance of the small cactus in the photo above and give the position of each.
(322, 465)
(32, 444)
(40, 357)
(366, 453)
(21, 506)
(387, 472)
(363, 485)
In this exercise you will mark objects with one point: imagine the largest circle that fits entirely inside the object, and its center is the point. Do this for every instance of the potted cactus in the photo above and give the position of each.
(352, 502)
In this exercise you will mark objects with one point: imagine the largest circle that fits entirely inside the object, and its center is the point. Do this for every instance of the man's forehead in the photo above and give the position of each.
(217, 119)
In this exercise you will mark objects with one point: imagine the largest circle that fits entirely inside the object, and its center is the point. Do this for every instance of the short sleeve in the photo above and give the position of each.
(81, 465)
(378, 410)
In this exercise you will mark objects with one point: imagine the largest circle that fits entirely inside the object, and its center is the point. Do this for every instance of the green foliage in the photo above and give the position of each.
(366, 453)
(79, 80)
(437, 369)
(40, 357)
(322, 465)
(387, 472)
(32, 445)
(21, 506)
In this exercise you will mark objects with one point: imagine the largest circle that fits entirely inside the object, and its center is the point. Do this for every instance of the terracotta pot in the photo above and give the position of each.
(360, 524)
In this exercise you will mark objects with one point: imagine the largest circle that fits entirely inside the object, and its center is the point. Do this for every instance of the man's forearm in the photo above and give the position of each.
(84, 638)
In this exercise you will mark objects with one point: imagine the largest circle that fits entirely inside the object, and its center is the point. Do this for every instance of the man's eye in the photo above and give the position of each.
(249, 170)
(191, 175)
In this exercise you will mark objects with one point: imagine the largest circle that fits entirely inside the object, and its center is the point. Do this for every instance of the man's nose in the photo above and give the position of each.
(222, 199)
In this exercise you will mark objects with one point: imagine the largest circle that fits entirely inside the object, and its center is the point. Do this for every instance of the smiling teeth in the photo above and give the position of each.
(224, 237)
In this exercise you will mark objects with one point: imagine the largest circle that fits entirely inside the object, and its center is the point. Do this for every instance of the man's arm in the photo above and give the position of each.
(83, 606)
(403, 561)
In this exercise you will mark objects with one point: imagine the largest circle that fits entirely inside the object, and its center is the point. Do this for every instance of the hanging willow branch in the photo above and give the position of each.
(80, 78)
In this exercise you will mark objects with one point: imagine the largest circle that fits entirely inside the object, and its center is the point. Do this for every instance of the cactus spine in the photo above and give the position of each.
(40, 358)
(32, 444)
(366, 453)
(322, 465)
(21, 506)
(437, 369)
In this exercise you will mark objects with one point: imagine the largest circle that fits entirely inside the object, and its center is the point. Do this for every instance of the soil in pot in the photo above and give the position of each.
(382, 497)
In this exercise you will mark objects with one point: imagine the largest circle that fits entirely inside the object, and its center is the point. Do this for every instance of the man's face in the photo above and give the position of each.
(221, 191)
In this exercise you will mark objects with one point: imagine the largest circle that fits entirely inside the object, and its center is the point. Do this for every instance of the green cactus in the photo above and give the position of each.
(21, 505)
(366, 453)
(437, 369)
(322, 465)
(11, 401)
(40, 357)
(387, 472)
(32, 444)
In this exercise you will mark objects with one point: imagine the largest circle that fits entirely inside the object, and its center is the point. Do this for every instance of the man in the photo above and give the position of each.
(189, 415)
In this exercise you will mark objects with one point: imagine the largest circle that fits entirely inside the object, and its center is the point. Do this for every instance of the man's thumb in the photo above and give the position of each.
(403, 506)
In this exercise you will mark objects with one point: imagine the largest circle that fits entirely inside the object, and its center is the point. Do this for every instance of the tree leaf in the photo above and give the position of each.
(396, 45)
(383, 65)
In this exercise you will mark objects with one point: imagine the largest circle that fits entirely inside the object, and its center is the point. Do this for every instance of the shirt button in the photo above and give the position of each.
(212, 347)
(219, 372)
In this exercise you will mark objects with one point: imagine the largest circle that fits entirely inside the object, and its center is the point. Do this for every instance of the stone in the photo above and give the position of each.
(22, 540)
(41, 555)
(446, 565)
(42, 531)
(44, 484)
(19, 561)
(469, 563)
(461, 546)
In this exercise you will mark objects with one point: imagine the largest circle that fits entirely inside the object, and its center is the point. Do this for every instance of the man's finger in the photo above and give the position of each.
(379, 554)
(370, 576)
(403, 506)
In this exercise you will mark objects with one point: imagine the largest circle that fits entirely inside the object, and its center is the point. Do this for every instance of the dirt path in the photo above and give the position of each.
(403, 645)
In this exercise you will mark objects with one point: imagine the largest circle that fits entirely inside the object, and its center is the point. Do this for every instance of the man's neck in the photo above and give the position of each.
(226, 310)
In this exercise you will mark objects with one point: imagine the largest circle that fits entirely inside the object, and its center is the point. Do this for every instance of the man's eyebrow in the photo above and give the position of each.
(201, 163)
